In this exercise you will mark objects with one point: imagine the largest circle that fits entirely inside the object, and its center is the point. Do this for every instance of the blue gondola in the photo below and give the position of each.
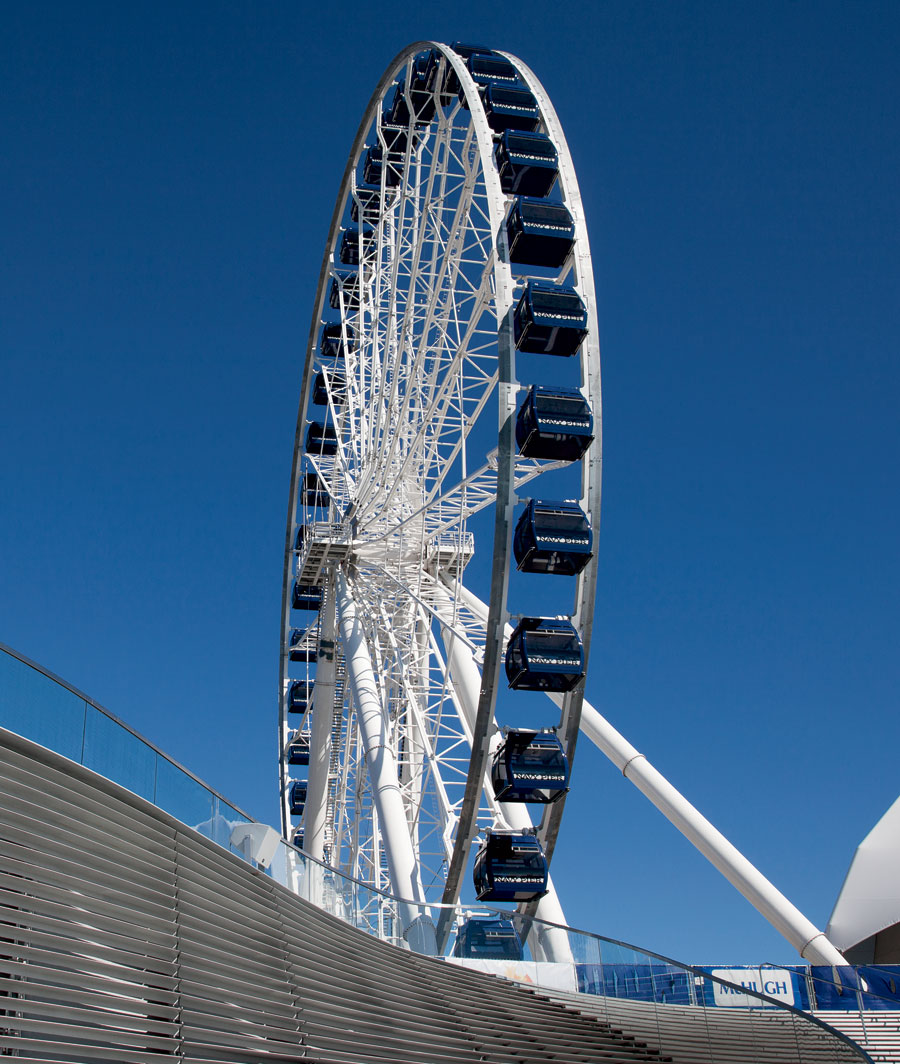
(490, 70)
(396, 138)
(338, 387)
(314, 491)
(332, 345)
(298, 839)
(307, 653)
(298, 797)
(450, 88)
(373, 166)
(466, 50)
(299, 696)
(530, 766)
(397, 113)
(420, 93)
(549, 319)
(306, 597)
(445, 85)
(527, 162)
(348, 284)
(298, 750)
(488, 939)
(544, 654)
(554, 423)
(348, 252)
(553, 537)
(416, 100)
(508, 107)
(321, 439)
(539, 233)
(301, 535)
(510, 867)
(365, 204)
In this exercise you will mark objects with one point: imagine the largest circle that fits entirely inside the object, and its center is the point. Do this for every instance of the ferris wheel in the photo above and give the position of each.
(440, 558)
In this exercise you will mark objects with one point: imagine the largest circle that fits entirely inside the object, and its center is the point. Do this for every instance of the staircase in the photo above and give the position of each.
(691, 1034)
(877, 1032)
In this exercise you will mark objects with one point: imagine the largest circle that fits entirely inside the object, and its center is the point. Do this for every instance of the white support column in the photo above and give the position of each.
(785, 917)
(380, 762)
(547, 943)
(315, 813)
(811, 943)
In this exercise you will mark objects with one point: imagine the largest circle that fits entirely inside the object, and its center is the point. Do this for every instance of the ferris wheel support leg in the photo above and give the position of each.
(786, 918)
(547, 943)
(382, 769)
(314, 816)
(811, 943)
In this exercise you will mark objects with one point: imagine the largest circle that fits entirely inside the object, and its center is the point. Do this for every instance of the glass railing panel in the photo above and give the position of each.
(116, 753)
(225, 819)
(838, 988)
(618, 972)
(183, 797)
(287, 866)
(33, 705)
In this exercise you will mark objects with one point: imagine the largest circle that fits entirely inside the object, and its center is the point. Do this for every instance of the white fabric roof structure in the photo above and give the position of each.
(869, 900)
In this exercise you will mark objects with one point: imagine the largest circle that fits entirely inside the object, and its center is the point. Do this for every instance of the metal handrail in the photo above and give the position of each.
(121, 723)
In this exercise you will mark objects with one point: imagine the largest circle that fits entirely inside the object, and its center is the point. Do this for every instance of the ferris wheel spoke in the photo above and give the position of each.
(441, 340)
(324, 469)
(437, 421)
(433, 367)
(466, 498)
(426, 214)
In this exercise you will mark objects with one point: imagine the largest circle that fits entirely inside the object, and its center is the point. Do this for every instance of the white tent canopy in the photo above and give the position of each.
(869, 901)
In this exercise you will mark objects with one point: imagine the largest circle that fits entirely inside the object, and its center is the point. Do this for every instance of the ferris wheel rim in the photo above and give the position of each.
(499, 615)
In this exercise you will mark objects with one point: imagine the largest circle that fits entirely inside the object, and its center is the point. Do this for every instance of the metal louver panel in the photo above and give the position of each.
(126, 936)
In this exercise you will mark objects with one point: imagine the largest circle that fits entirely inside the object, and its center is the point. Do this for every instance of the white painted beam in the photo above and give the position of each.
(811, 943)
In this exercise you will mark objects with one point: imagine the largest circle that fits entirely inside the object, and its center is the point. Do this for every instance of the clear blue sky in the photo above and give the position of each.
(166, 176)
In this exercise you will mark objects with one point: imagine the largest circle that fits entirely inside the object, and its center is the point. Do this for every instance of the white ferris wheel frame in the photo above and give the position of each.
(493, 481)
(349, 726)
